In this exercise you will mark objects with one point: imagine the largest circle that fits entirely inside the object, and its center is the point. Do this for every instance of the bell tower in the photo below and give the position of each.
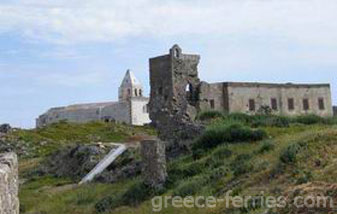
(130, 87)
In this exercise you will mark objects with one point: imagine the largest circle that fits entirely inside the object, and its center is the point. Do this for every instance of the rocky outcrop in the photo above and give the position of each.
(9, 184)
(77, 161)
(5, 128)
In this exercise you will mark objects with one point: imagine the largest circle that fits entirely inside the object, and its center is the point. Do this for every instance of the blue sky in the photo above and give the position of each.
(60, 52)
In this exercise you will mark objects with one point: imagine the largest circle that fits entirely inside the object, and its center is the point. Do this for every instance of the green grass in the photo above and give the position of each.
(288, 156)
(42, 142)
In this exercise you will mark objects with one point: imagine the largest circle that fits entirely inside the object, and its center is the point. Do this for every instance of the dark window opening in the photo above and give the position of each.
(140, 92)
(291, 105)
(129, 92)
(160, 91)
(136, 92)
(274, 104)
(306, 104)
(212, 104)
(251, 105)
(176, 53)
(321, 104)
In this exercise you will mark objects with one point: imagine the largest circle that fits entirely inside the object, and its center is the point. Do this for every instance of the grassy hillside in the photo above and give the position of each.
(244, 154)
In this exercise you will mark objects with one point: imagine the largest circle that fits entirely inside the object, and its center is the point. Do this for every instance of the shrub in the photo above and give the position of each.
(240, 164)
(218, 173)
(189, 187)
(266, 147)
(184, 171)
(289, 154)
(219, 134)
(207, 115)
(239, 117)
(309, 119)
(222, 153)
(305, 177)
(107, 204)
(136, 194)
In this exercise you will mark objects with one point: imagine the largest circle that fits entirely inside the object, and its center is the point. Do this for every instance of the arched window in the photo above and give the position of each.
(136, 92)
(140, 92)
(129, 91)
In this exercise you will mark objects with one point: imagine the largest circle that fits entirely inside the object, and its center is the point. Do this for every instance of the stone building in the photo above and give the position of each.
(335, 111)
(131, 107)
(178, 94)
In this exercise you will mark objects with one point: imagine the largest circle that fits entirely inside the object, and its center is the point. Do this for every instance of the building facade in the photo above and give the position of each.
(177, 92)
(131, 108)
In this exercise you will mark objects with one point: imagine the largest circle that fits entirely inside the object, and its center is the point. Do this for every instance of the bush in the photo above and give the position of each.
(208, 115)
(305, 177)
(222, 153)
(219, 134)
(184, 171)
(240, 164)
(309, 119)
(218, 173)
(137, 193)
(266, 147)
(190, 187)
(289, 154)
(107, 204)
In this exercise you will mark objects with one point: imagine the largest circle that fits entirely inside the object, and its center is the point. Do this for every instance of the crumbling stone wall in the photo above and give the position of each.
(174, 86)
(9, 184)
(174, 96)
(154, 162)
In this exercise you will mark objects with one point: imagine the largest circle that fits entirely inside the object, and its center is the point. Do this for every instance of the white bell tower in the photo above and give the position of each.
(130, 87)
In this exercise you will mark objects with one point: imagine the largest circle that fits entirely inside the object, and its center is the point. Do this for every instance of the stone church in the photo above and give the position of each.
(178, 93)
(131, 108)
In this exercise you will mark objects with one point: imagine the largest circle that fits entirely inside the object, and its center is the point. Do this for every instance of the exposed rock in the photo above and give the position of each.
(78, 161)
(74, 161)
(9, 184)
(154, 163)
(5, 128)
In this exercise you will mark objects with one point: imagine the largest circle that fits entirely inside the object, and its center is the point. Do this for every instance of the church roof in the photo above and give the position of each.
(130, 80)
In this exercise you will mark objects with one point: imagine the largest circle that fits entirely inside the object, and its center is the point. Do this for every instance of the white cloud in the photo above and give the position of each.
(72, 21)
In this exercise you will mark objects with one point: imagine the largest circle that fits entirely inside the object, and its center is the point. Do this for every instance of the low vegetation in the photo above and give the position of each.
(245, 154)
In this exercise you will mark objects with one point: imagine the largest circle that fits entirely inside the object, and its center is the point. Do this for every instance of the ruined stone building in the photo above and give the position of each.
(177, 93)
(131, 108)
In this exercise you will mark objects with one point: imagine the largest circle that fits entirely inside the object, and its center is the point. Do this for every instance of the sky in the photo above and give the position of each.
(61, 52)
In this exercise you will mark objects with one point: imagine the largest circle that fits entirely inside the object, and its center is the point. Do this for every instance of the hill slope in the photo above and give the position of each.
(284, 159)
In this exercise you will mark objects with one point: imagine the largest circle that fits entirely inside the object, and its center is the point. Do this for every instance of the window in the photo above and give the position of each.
(321, 103)
(146, 109)
(140, 92)
(136, 92)
(129, 92)
(160, 91)
(251, 105)
(306, 106)
(212, 104)
(274, 104)
(291, 104)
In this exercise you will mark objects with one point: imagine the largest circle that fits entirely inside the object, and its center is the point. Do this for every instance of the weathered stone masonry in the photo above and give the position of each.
(177, 92)
(154, 163)
(9, 184)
